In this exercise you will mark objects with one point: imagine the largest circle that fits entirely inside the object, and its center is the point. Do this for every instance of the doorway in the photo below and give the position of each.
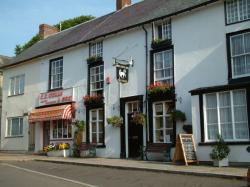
(46, 133)
(135, 138)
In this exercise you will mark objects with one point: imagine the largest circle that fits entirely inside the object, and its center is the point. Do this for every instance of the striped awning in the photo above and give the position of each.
(51, 113)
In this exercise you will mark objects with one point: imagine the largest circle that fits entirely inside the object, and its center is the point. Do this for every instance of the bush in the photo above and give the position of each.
(220, 150)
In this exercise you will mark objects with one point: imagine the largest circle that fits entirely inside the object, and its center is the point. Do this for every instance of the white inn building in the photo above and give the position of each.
(204, 51)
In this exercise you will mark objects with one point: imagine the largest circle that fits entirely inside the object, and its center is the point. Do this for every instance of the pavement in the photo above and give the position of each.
(151, 166)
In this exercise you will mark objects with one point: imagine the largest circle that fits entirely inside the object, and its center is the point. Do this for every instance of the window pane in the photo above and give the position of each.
(59, 129)
(21, 126)
(54, 129)
(65, 130)
(211, 101)
(15, 127)
(212, 132)
(158, 61)
(168, 136)
(93, 125)
(100, 127)
(94, 138)
(239, 65)
(159, 109)
(241, 131)
(9, 128)
(169, 122)
(237, 45)
(247, 41)
(158, 123)
(159, 136)
(227, 130)
(93, 115)
(69, 131)
(101, 140)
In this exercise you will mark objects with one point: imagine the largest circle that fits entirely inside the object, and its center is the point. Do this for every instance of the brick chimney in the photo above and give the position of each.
(120, 4)
(46, 30)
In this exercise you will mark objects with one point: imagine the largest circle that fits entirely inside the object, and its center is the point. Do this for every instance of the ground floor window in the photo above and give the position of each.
(225, 114)
(162, 123)
(62, 129)
(96, 126)
(15, 126)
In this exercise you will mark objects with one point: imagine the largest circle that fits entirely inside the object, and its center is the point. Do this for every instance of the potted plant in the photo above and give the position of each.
(157, 43)
(93, 100)
(178, 115)
(220, 153)
(59, 150)
(161, 91)
(80, 125)
(94, 59)
(138, 118)
(115, 121)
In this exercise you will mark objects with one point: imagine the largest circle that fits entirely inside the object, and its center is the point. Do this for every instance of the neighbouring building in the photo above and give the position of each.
(202, 47)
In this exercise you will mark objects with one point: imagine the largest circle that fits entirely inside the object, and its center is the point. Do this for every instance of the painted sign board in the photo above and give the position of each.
(122, 74)
(56, 97)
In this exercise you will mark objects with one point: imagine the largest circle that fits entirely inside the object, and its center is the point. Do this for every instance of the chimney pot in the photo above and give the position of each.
(47, 30)
(120, 4)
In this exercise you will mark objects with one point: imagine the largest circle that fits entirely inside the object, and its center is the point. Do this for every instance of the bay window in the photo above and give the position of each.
(237, 10)
(62, 129)
(240, 55)
(225, 114)
(96, 126)
(15, 126)
(162, 123)
(163, 66)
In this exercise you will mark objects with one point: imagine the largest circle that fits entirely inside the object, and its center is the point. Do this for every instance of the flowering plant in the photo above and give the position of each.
(52, 147)
(139, 118)
(93, 100)
(115, 121)
(160, 88)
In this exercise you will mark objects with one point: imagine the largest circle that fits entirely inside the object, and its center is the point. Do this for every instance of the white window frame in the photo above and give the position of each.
(97, 121)
(228, 19)
(9, 123)
(164, 115)
(101, 79)
(218, 116)
(69, 125)
(56, 73)
(170, 78)
(16, 81)
(232, 57)
(96, 49)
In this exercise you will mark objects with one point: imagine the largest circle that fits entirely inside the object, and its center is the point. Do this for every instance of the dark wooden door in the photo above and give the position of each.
(46, 133)
(135, 138)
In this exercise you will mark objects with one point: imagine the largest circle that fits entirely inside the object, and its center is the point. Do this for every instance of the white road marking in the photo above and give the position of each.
(52, 176)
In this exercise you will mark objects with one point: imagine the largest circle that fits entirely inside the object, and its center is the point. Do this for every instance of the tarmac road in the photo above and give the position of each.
(43, 174)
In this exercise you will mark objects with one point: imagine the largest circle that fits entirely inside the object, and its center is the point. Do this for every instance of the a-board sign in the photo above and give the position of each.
(185, 149)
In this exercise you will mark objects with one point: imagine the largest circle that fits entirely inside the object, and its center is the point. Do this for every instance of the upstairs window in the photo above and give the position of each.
(16, 85)
(96, 49)
(237, 10)
(240, 55)
(96, 79)
(56, 73)
(15, 126)
(164, 30)
(163, 67)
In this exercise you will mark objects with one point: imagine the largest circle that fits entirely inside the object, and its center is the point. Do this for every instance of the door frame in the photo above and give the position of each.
(124, 127)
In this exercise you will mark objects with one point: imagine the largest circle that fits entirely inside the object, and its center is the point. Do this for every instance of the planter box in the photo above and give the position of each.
(221, 163)
(162, 96)
(161, 44)
(59, 153)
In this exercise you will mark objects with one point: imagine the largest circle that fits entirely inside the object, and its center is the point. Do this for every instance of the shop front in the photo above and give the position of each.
(52, 119)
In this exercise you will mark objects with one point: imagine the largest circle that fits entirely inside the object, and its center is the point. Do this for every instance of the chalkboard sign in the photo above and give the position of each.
(185, 149)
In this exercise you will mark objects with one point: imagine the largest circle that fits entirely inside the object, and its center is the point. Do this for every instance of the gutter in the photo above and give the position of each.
(117, 31)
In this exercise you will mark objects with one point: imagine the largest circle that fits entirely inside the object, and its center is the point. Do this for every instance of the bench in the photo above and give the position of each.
(158, 148)
(89, 150)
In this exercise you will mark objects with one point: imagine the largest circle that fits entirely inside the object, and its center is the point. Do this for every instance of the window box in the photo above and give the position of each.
(159, 43)
(94, 59)
(160, 91)
(95, 101)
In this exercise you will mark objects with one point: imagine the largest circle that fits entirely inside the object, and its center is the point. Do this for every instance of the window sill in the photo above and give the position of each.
(20, 136)
(55, 89)
(228, 143)
(16, 95)
(228, 24)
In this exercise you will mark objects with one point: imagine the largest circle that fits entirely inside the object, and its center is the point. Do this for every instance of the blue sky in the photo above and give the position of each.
(20, 19)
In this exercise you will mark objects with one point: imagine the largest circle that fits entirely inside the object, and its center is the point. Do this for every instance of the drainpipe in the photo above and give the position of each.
(146, 48)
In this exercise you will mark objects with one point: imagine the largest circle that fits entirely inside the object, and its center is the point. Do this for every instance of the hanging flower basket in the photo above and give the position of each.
(138, 118)
(115, 121)
(94, 59)
(160, 91)
(93, 101)
(178, 115)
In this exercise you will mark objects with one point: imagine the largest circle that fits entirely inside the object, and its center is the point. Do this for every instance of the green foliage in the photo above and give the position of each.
(178, 115)
(139, 118)
(73, 22)
(93, 59)
(115, 121)
(159, 42)
(80, 125)
(64, 25)
(18, 49)
(220, 150)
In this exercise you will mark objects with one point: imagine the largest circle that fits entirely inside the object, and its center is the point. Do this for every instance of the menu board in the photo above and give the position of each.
(185, 149)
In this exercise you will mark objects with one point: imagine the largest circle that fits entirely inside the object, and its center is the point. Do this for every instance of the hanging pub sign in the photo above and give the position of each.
(56, 97)
(122, 73)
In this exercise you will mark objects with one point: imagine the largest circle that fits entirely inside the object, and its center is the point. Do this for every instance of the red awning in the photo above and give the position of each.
(51, 113)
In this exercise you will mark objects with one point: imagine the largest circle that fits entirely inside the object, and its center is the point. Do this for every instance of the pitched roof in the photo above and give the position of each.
(4, 60)
(129, 17)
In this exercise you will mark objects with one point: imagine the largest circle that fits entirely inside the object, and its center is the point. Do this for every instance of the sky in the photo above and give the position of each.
(20, 19)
